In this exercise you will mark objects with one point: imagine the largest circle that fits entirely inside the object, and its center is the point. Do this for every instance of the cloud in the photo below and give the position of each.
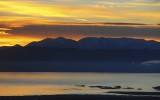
(2, 33)
(28, 33)
(5, 29)
(85, 30)
(127, 4)
(154, 62)
(84, 20)
(19, 13)
(145, 4)
(33, 9)
(156, 1)
(148, 1)
(52, 18)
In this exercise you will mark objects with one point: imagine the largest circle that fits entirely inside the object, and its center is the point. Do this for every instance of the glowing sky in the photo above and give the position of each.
(22, 21)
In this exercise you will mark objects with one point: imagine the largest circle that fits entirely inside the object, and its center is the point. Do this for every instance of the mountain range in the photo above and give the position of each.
(97, 43)
(86, 55)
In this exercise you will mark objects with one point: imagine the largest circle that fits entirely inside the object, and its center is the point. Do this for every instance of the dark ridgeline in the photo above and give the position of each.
(86, 55)
(54, 43)
(79, 97)
(97, 43)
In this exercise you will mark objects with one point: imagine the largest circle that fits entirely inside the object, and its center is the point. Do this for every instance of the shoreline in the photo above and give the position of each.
(79, 97)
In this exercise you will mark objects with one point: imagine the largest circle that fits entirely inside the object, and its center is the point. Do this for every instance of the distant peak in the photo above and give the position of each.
(17, 45)
(60, 38)
(48, 39)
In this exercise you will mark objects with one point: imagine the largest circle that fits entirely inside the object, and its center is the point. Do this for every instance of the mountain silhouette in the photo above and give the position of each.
(86, 55)
(97, 43)
(55, 43)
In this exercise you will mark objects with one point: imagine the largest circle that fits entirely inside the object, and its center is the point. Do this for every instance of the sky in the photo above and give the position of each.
(23, 21)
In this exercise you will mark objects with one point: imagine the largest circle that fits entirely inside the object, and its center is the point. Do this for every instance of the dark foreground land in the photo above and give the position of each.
(79, 97)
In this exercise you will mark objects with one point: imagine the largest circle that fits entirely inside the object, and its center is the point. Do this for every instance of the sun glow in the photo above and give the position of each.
(11, 41)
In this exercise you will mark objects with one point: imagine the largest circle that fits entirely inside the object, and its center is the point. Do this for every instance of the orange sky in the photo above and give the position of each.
(18, 16)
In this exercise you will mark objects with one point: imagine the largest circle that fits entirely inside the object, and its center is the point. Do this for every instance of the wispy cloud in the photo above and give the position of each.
(3, 33)
(19, 13)
(154, 62)
(126, 4)
(5, 29)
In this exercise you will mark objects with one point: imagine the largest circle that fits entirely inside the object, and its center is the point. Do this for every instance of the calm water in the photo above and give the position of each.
(65, 83)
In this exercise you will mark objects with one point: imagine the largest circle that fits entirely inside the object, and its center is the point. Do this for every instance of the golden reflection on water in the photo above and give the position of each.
(54, 75)
(32, 90)
(46, 90)
(35, 84)
(65, 83)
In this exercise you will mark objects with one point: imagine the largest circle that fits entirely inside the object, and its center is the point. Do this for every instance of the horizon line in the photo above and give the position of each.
(84, 38)
(93, 24)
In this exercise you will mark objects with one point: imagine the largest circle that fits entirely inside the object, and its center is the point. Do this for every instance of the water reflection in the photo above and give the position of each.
(66, 83)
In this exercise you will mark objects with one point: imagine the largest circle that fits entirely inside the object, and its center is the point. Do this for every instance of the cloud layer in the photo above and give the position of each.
(26, 12)
(24, 20)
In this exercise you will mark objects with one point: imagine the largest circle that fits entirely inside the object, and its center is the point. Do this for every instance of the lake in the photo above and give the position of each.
(28, 83)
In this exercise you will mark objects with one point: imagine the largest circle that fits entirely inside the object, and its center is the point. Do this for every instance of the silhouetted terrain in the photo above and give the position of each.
(79, 97)
(86, 55)
(97, 43)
